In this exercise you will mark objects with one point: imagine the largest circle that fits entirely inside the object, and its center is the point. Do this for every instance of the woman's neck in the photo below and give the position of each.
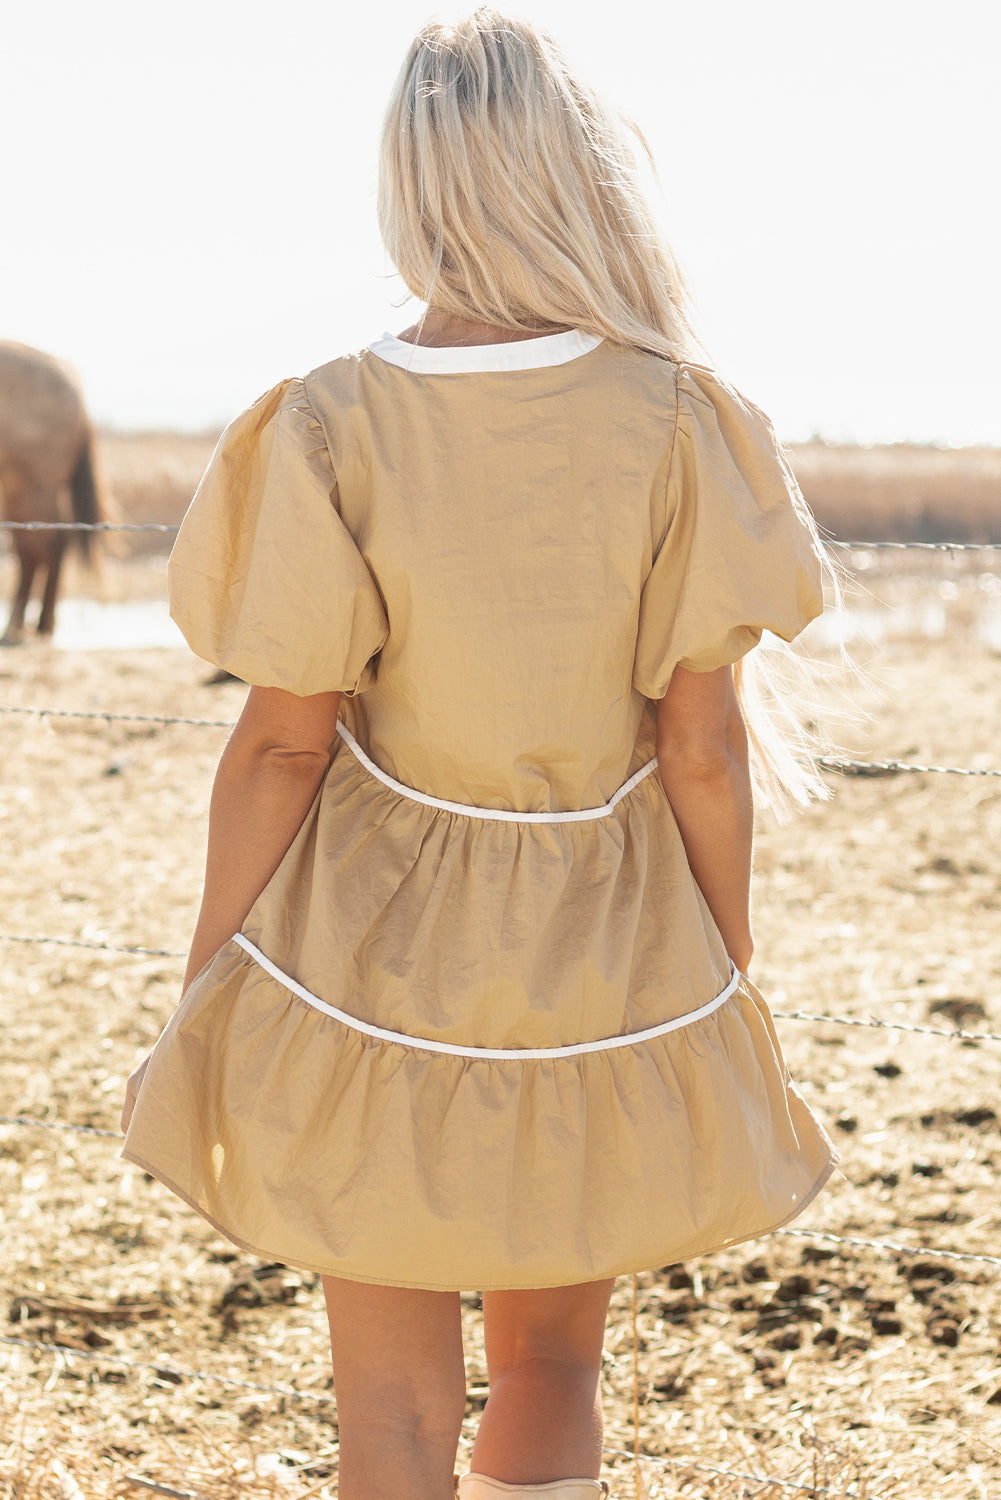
(443, 330)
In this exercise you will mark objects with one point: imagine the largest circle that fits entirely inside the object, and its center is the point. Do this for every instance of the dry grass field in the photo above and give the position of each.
(904, 493)
(150, 477)
(150, 1357)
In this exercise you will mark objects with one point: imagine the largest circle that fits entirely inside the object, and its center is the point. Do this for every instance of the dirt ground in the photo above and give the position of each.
(820, 1366)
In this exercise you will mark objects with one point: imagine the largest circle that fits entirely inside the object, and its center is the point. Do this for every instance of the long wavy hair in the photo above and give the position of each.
(511, 194)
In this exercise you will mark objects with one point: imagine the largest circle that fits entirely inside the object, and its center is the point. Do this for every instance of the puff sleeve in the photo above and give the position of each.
(738, 554)
(265, 580)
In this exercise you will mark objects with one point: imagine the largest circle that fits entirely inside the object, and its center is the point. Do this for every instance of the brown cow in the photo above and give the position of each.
(46, 472)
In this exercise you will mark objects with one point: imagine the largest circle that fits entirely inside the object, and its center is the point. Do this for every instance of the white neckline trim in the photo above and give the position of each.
(494, 1054)
(470, 359)
(493, 814)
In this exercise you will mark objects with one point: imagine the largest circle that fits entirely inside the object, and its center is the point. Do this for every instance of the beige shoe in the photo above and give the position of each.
(482, 1487)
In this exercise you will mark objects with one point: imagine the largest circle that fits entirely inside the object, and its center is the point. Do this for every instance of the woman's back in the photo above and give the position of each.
(509, 513)
(549, 525)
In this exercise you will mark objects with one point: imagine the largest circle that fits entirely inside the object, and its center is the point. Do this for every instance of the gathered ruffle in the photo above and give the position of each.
(306, 1141)
(490, 934)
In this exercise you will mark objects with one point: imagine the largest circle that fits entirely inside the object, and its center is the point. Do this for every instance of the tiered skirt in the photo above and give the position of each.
(458, 1048)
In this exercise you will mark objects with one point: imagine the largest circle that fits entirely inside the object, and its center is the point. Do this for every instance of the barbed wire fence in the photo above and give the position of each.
(844, 767)
(836, 542)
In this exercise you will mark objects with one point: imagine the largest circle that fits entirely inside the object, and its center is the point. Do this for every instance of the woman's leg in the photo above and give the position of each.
(401, 1389)
(543, 1420)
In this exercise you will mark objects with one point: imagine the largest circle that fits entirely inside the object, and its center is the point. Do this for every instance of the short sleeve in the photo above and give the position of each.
(265, 580)
(739, 553)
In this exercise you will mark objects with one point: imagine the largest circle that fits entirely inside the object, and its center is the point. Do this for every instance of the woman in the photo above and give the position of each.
(467, 1001)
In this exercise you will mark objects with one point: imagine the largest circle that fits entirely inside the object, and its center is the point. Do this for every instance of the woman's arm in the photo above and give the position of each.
(270, 771)
(703, 765)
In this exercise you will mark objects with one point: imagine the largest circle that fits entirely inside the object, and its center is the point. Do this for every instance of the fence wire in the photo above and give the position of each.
(13, 937)
(785, 1484)
(875, 1024)
(851, 546)
(84, 526)
(27, 1120)
(164, 1370)
(893, 1248)
(859, 768)
(112, 718)
(897, 767)
(171, 1373)
(955, 1033)
(914, 546)
(174, 1375)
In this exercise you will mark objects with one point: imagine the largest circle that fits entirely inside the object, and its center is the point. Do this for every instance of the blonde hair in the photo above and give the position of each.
(510, 194)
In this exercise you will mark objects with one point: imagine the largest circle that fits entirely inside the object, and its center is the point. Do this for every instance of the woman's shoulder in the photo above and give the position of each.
(695, 389)
(704, 385)
(341, 369)
(292, 397)
(686, 392)
(699, 400)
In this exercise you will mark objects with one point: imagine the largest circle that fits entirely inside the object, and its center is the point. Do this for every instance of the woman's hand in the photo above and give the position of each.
(132, 1091)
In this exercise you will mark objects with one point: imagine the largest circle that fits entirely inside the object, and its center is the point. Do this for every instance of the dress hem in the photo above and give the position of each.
(492, 1286)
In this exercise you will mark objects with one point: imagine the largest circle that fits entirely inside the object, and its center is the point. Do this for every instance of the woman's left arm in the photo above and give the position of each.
(270, 771)
(703, 763)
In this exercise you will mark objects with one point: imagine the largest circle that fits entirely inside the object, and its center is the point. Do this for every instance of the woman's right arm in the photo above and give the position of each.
(703, 765)
(270, 771)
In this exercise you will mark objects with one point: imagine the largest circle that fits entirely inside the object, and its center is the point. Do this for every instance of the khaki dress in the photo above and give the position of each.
(480, 1029)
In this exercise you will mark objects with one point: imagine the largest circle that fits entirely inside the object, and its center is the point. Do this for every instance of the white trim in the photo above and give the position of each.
(497, 1054)
(471, 359)
(494, 814)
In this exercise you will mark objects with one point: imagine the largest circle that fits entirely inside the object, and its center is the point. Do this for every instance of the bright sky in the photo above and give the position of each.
(188, 204)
